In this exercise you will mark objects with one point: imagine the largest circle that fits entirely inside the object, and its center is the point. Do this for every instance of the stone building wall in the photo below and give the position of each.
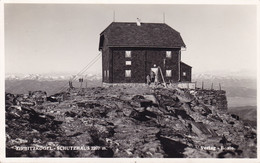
(213, 97)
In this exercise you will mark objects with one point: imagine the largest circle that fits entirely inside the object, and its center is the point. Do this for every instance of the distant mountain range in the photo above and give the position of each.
(40, 77)
(234, 80)
(21, 84)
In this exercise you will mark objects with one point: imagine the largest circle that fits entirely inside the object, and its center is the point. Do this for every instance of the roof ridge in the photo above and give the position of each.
(141, 22)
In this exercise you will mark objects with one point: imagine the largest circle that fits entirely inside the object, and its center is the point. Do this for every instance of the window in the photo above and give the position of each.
(184, 73)
(168, 54)
(168, 73)
(128, 63)
(128, 73)
(128, 54)
(108, 73)
(105, 73)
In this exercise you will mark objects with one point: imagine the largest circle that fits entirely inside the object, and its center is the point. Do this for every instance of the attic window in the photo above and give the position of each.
(128, 63)
(128, 54)
(168, 73)
(168, 54)
(184, 73)
(128, 73)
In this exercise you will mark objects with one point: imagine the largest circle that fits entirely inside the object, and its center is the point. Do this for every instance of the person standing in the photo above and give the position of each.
(148, 79)
(152, 76)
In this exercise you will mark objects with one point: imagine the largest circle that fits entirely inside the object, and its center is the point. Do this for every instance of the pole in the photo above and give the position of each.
(163, 17)
(179, 65)
(81, 80)
(219, 86)
(202, 85)
(162, 76)
(211, 86)
(114, 16)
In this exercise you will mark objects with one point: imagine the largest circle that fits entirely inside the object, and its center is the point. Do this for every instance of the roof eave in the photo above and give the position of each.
(106, 28)
(186, 64)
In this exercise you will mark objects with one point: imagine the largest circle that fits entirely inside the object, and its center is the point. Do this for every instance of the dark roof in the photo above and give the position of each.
(185, 64)
(159, 35)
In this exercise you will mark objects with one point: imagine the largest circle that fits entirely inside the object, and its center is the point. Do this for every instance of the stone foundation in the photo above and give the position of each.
(124, 84)
(183, 85)
(213, 97)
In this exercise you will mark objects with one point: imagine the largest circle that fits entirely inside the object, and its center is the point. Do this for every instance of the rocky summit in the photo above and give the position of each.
(126, 121)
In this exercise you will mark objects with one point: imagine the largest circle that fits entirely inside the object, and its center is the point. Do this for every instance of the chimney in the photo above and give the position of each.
(138, 22)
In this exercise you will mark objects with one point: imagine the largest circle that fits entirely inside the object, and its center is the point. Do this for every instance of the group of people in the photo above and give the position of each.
(150, 78)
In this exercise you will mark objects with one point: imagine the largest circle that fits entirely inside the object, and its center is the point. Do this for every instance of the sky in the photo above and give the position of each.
(64, 38)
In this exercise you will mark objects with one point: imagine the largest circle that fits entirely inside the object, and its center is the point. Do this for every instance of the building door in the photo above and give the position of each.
(156, 72)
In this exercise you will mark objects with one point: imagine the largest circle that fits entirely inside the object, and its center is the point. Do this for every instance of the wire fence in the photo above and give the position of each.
(79, 74)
